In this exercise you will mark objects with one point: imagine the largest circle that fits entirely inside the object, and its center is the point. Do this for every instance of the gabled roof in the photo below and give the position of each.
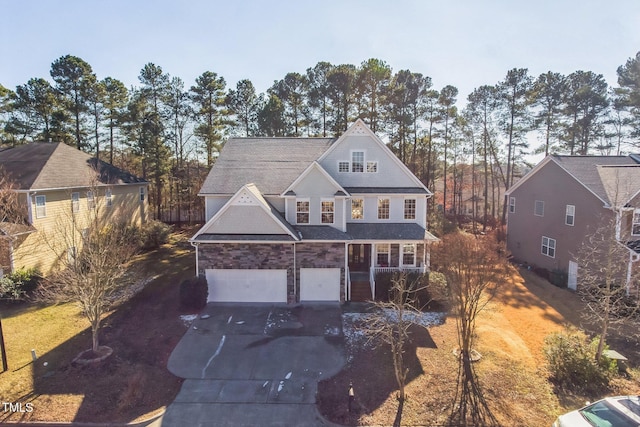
(270, 163)
(41, 166)
(598, 174)
(250, 197)
(620, 183)
(340, 191)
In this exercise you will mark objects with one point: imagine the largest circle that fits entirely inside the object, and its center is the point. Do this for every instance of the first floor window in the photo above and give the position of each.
(327, 212)
(302, 211)
(383, 208)
(635, 228)
(549, 246)
(357, 208)
(343, 166)
(91, 201)
(570, 215)
(409, 208)
(409, 254)
(382, 254)
(108, 197)
(41, 206)
(512, 204)
(75, 202)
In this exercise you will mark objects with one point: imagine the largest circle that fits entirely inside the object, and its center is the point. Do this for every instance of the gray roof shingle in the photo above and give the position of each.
(40, 166)
(321, 232)
(390, 231)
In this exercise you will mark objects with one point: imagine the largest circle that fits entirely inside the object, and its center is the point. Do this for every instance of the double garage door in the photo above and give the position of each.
(251, 285)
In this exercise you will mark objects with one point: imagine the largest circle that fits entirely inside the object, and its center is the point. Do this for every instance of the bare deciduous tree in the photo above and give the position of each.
(474, 269)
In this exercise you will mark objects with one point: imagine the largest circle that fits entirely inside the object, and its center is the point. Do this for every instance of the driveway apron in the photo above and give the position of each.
(255, 365)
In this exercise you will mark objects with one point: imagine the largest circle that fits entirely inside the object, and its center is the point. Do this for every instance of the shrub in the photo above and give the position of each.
(19, 284)
(194, 293)
(153, 234)
(572, 365)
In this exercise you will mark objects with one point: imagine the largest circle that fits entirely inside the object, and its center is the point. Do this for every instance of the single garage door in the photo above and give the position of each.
(247, 285)
(319, 284)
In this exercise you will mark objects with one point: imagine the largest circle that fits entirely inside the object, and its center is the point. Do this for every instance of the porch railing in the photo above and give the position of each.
(419, 269)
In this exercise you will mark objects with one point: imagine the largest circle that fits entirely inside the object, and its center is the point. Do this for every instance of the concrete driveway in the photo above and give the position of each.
(255, 365)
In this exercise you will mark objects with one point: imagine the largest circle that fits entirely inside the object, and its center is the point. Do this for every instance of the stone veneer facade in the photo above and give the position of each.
(274, 256)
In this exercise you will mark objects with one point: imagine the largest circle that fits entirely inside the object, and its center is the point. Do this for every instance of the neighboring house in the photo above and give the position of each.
(309, 219)
(563, 199)
(59, 188)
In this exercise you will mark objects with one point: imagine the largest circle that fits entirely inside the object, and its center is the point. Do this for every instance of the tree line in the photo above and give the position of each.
(170, 134)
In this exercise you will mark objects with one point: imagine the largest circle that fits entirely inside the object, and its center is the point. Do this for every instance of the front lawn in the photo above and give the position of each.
(131, 384)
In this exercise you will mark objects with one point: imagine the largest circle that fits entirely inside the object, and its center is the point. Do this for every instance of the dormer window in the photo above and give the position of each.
(372, 167)
(343, 166)
(357, 161)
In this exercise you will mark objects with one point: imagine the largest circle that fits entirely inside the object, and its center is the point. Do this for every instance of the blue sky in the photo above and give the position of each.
(464, 43)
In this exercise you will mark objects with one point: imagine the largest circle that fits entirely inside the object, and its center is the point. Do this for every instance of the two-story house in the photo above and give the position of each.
(59, 189)
(309, 219)
(564, 198)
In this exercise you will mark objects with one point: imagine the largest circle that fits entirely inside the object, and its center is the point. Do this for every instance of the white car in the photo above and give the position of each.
(619, 411)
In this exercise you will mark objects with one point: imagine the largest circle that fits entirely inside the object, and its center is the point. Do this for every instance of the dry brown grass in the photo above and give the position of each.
(131, 384)
(512, 375)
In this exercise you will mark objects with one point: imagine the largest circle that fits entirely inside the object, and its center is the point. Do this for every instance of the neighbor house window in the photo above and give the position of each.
(108, 197)
(383, 208)
(372, 167)
(382, 254)
(343, 166)
(409, 208)
(142, 194)
(635, 227)
(539, 208)
(357, 208)
(41, 206)
(302, 211)
(548, 246)
(409, 254)
(512, 204)
(357, 161)
(570, 215)
(75, 202)
(327, 212)
(91, 201)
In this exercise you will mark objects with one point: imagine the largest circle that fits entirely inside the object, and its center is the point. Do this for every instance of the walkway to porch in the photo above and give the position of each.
(360, 286)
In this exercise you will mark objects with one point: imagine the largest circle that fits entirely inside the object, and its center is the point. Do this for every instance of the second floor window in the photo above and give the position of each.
(635, 227)
(327, 212)
(343, 166)
(548, 246)
(383, 208)
(410, 209)
(357, 161)
(512, 205)
(75, 202)
(302, 212)
(91, 201)
(41, 206)
(357, 208)
(570, 215)
(539, 208)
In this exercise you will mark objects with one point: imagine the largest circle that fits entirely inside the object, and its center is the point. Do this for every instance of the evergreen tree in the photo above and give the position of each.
(245, 104)
(208, 96)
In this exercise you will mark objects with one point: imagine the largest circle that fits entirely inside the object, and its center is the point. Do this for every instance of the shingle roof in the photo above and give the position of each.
(40, 166)
(15, 229)
(586, 170)
(243, 237)
(620, 183)
(321, 232)
(270, 163)
(386, 190)
(386, 231)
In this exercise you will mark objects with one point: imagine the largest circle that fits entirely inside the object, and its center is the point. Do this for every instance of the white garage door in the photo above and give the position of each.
(247, 285)
(319, 284)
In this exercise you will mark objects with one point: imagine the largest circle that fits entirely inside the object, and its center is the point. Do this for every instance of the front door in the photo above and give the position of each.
(359, 257)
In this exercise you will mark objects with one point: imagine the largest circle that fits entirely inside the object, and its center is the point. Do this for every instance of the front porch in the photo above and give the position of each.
(366, 260)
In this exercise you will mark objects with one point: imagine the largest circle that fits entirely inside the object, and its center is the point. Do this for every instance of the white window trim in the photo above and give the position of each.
(108, 196)
(388, 253)
(548, 246)
(573, 215)
(333, 211)
(415, 248)
(373, 163)
(308, 211)
(364, 161)
(362, 207)
(512, 205)
(348, 166)
(535, 205)
(388, 208)
(415, 209)
(635, 212)
(41, 211)
(75, 204)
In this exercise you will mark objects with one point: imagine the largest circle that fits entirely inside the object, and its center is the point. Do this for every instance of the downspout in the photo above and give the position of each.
(195, 245)
(347, 278)
(295, 268)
